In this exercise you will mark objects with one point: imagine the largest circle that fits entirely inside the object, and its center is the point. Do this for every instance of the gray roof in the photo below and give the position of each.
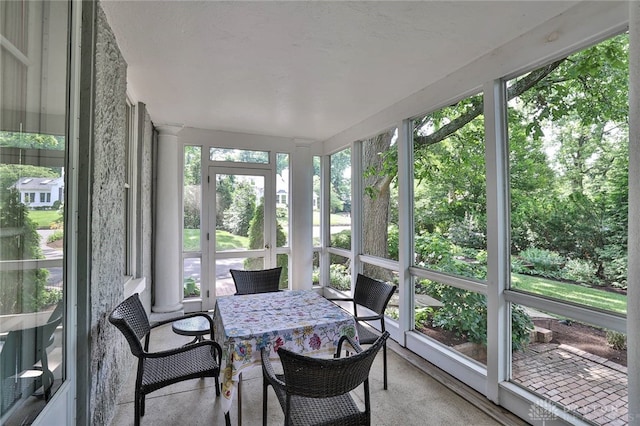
(37, 183)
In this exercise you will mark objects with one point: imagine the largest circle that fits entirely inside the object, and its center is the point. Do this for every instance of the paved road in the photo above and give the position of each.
(55, 273)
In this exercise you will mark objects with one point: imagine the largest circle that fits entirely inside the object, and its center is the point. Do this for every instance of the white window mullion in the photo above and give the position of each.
(357, 193)
(496, 159)
(405, 226)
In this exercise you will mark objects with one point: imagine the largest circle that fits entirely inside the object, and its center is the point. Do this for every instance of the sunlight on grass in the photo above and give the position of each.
(227, 241)
(44, 218)
(588, 296)
(334, 219)
(191, 240)
(224, 240)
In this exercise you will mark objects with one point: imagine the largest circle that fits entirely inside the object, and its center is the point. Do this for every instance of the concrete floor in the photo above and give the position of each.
(413, 397)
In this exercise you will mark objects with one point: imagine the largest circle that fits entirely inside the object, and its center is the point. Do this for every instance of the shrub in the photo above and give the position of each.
(618, 341)
(190, 288)
(192, 207)
(581, 271)
(545, 263)
(465, 313)
(57, 235)
(21, 291)
(339, 277)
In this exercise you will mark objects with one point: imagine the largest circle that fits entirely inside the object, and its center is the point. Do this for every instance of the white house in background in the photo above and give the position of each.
(282, 191)
(282, 188)
(40, 192)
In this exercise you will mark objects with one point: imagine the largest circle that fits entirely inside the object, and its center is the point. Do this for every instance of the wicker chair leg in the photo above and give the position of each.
(136, 409)
(217, 386)
(264, 402)
(227, 419)
(384, 362)
(142, 401)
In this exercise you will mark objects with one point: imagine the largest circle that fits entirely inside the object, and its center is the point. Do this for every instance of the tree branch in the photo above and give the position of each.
(516, 89)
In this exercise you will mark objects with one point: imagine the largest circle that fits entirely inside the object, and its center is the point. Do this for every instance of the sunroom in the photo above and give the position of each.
(481, 156)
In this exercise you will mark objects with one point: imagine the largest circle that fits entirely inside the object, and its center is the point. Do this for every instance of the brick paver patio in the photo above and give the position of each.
(579, 381)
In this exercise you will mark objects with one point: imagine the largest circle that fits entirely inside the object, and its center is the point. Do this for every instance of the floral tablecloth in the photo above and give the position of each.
(300, 320)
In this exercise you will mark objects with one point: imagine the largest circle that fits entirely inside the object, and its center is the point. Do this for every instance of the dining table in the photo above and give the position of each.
(298, 320)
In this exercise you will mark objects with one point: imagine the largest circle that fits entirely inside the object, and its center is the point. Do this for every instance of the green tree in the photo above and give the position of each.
(238, 217)
(21, 290)
(224, 197)
(192, 165)
(256, 241)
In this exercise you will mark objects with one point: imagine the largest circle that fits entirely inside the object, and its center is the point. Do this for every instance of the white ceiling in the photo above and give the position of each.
(307, 69)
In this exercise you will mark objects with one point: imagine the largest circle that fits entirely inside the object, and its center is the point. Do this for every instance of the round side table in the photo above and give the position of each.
(195, 327)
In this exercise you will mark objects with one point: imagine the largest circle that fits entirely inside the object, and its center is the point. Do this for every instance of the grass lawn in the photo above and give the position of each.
(589, 296)
(224, 240)
(44, 218)
(334, 219)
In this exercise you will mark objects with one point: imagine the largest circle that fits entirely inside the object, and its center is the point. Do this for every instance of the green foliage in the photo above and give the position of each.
(545, 263)
(341, 239)
(256, 241)
(340, 276)
(192, 165)
(10, 173)
(617, 341)
(341, 186)
(191, 206)
(238, 217)
(190, 288)
(21, 291)
(393, 241)
(57, 235)
(581, 271)
(465, 313)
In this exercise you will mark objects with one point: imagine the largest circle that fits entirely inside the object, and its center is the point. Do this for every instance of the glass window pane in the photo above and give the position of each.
(282, 200)
(576, 367)
(380, 198)
(340, 198)
(283, 261)
(33, 119)
(340, 273)
(316, 268)
(317, 199)
(454, 317)
(191, 277)
(238, 155)
(450, 190)
(192, 199)
(569, 178)
(239, 199)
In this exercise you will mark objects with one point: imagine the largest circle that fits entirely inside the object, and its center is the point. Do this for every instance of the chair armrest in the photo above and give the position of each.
(170, 320)
(268, 371)
(160, 354)
(370, 318)
(340, 299)
(355, 346)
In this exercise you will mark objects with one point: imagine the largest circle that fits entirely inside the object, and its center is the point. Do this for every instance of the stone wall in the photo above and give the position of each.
(109, 351)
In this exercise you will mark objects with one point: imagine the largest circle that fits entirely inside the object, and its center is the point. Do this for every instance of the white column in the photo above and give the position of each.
(633, 282)
(168, 285)
(301, 179)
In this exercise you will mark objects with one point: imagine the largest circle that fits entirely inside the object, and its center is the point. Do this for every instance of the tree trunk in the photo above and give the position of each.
(375, 206)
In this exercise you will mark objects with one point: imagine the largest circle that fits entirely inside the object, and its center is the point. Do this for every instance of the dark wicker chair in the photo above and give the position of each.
(315, 391)
(159, 369)
(373, 295)
(260, 281)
